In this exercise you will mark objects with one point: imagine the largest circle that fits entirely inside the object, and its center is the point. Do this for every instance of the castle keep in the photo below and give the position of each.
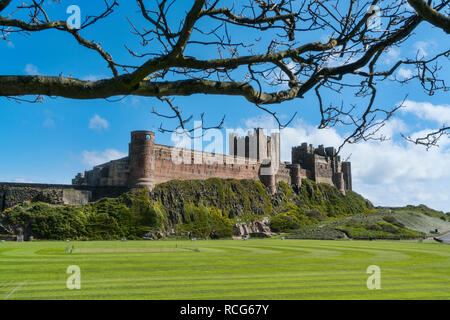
(254, 156)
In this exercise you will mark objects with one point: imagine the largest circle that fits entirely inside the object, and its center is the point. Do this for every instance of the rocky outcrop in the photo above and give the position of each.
(236, 198)
(255, 229)
(158, 234)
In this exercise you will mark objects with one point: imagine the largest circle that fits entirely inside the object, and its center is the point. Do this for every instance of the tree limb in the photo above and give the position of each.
(431, 15)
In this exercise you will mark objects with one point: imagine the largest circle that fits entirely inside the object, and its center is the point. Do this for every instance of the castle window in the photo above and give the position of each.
(247, 148)
(192, 171)
(198, 171)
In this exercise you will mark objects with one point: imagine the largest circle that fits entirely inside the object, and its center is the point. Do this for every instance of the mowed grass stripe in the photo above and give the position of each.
(266, 269)
(389, 281)
(93, 278)
(329, 289)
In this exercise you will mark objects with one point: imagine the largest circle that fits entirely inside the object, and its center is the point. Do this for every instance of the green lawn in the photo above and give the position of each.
(225, 269)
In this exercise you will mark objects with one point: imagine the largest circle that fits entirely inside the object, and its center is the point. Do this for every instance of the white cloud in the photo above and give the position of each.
(132, 101)
(405, 73)
(392, 127)
(48, 123)
(427, 111)
(31, 69)
(392, 55)
(279, 78)
(408, 7)
(423, 48)
(389, 173)
(335, 59)
(98, 123)
(93, 158)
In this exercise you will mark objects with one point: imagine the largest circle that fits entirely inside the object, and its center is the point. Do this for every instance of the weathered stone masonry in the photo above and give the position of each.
(254, 156)
(12, 194)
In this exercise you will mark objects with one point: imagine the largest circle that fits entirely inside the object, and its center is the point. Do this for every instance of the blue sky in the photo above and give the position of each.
(53, 140)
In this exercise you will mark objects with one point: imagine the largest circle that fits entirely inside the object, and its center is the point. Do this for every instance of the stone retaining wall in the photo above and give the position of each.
(12, 194)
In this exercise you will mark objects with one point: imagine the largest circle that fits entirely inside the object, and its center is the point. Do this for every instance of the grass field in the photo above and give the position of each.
(225, 269)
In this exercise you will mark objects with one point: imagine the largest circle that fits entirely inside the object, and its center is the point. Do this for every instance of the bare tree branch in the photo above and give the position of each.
(431, 139)
(254, 49)
(431, 15)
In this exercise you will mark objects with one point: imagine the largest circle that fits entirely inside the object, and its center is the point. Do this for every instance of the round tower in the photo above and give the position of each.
(140, 156)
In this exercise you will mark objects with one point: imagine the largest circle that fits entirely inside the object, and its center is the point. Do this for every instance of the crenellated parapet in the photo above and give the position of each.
(253, 156)
(323, 165)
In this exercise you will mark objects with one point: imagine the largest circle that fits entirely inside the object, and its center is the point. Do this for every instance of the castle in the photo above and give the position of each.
(254, 156)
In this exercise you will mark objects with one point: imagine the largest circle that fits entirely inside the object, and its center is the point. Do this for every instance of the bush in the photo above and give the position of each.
(315, 214)
(391, 219)
(380, 230)
(329, 201)
(292, 219)
(203, 222)
(283, 222)
(45, 221)
(102, 220)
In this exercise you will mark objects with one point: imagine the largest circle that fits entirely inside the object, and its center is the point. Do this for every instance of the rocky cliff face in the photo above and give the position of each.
(256, 229)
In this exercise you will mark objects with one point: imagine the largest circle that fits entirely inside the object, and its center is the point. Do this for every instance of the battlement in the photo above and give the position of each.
(252, 156)
(323, 165)
(255, 145)
(320, 150)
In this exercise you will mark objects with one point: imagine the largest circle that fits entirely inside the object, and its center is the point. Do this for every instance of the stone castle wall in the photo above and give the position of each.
(254, 156)
(200, 166)
(12, 194)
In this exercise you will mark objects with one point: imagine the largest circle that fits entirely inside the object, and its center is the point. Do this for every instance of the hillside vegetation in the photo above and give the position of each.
(207, 209)
(401, 223)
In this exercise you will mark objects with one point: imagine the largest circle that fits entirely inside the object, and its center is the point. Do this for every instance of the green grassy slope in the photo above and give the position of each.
(421, 222)
(420, 218)
(382, 224)
(225, 269)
